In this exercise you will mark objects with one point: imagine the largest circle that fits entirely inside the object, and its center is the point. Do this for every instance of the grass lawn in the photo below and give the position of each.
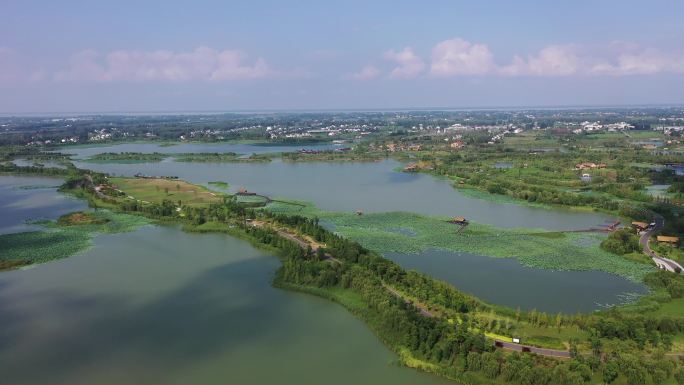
(156, 190)
(674, 308)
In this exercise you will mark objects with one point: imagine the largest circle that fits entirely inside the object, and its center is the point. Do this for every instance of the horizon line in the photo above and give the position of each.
(332, 110)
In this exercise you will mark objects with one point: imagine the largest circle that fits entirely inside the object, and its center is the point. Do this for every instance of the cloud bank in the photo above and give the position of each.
(203, 64)
(458, 57)
(408, 63)
(449, 58)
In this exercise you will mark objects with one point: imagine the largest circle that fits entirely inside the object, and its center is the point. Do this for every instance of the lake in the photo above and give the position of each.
(504, 281)
(370, 187)
(482, 276)
(160, 306)
(238, 148)
(25, 198)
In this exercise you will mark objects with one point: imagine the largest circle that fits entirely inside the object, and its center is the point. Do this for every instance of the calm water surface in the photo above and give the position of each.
(159, 306)
(25, 198)
(371, 187)
(246, 149)
(507, 282)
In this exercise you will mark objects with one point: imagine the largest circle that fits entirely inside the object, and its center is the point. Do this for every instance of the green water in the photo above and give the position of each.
(159, 306)
(507, 282)
(34, 198)
(370, 187)
(162, 306)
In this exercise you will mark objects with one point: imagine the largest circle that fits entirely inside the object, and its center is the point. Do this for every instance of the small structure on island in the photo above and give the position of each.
(640, 226)
(586, 178)
(359, 212)
(459, 221)
(411, 167)
(672, 241)
(243, 191)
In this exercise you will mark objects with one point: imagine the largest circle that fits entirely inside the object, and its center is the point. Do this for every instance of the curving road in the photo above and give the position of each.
(644, 240)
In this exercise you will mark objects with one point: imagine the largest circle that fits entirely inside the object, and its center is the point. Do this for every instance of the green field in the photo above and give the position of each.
(157, 190)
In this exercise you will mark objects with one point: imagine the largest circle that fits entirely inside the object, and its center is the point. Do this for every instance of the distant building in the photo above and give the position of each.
(589, 165)
(668, 240)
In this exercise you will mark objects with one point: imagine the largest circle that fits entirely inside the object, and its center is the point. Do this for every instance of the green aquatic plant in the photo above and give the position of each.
(409, 233)
(63, 238)
(219, 184)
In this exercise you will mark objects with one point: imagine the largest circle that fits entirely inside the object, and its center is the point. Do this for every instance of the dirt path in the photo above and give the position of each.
(425, 311)
(304, 241)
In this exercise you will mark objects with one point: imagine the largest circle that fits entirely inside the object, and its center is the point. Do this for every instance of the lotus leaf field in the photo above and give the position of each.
(409, 233)
(61, 241)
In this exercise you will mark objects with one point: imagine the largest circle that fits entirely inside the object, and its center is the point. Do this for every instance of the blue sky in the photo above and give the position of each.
(82, 56)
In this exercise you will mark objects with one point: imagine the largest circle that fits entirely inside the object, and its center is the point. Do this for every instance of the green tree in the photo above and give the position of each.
(679, 376)
(610, 373)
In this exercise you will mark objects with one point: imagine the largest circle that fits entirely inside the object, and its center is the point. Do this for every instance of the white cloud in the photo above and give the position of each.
(460, 57)
(366, 73)
(203, 63)
(408, 63)
(554, 60)
(641, 62)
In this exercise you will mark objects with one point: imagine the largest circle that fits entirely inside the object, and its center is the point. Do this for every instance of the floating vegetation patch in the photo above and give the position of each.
(36, 187)
(403, 231)
(219, 184)
(496, 198)
(63, 238)
(532, 247)
(41, 246)
(126, 157)
(251, 199)
(81, 218)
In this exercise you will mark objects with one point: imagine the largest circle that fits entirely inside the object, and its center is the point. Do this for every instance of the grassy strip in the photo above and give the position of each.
(224, 157)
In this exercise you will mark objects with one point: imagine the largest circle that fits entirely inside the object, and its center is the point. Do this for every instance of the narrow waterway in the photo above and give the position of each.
(507, 282)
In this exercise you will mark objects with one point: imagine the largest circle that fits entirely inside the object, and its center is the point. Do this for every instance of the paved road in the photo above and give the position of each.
(532, 349)
(662, 263)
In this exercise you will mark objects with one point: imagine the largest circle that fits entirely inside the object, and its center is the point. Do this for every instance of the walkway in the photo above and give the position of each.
(303, 241)
(531, 349)
(645, 239)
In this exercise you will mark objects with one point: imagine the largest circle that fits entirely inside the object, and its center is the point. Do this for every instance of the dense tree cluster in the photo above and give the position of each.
(621, 242)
